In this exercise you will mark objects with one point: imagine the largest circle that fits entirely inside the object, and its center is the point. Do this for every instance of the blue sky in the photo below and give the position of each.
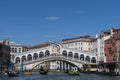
(31, 22)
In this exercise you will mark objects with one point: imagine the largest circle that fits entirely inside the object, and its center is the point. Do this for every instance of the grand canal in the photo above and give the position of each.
(60, 76)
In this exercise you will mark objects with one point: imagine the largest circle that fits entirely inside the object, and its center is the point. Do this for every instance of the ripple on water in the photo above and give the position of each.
(61, 76)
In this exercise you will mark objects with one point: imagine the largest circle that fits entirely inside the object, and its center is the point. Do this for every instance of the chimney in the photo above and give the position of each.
(96, 35)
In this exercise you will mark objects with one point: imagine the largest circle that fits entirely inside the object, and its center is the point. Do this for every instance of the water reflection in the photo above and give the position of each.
(60, 76)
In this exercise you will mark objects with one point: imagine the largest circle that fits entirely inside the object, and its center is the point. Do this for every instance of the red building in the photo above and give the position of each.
(111, 46)
(110, 50)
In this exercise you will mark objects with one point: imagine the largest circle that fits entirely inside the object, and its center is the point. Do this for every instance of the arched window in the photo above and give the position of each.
(64, 53)
(87, 58)
(17, 60)
(82, 57)
(35, 56)
(93, 60)
(41, 54)
(29, 57)
(70, 54)
(13, 50)
(47, 53)
(76, 56)
(23, 58)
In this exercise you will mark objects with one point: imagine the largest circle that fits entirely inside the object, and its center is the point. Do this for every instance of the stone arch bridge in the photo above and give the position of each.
(54, 52)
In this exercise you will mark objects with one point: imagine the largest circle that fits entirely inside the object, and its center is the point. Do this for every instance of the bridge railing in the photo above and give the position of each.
(60, 57)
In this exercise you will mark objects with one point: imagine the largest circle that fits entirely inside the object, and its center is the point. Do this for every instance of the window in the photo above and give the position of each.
(19, 50)
(81, 43)
(15, 50)
(75, 43)
(81, 48)
(110, 50)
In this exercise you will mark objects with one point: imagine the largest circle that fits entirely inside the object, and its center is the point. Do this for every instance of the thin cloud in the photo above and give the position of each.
(7, 36)
(50, 36)
(52, 18)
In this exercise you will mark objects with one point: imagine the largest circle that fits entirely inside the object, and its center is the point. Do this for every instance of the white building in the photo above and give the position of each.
(79, 43)
(95, 47)
(15, 48)
(98, 45)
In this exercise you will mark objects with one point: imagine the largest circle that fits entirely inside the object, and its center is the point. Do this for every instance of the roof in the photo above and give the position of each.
(82, 38)
(37, 46)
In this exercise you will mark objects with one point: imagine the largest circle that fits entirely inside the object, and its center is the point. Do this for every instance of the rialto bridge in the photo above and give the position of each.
(64, 58)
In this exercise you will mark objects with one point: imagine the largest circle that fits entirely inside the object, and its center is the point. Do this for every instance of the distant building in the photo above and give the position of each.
(15, 48)
(82, 43)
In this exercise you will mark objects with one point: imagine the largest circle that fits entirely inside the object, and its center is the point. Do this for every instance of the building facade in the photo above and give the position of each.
(15, 48)
(112, 47)
(82, 43)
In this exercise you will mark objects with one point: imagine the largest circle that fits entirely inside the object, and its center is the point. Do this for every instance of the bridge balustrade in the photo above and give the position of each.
(55, 58)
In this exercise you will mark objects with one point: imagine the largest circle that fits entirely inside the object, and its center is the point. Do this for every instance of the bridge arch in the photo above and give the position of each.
(87, 58)
(23, 59)
(82, 57)
(41, 54)
(47, 53)
(35, 56)
(17, 60)
(76, 56)
(64, 53)
(70, 54)
(93, 60)
(29, 57)
(69, 61)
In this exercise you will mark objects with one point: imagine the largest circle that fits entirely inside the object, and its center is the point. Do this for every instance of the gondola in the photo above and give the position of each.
(43, 71)
(12, 73)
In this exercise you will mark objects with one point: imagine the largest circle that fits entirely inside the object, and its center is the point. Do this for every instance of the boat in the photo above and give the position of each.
(27, 72)
(43, 71)
(73, 73)
(12, 73)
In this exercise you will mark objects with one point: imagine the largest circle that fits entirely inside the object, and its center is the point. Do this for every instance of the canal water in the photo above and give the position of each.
(59, 76)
